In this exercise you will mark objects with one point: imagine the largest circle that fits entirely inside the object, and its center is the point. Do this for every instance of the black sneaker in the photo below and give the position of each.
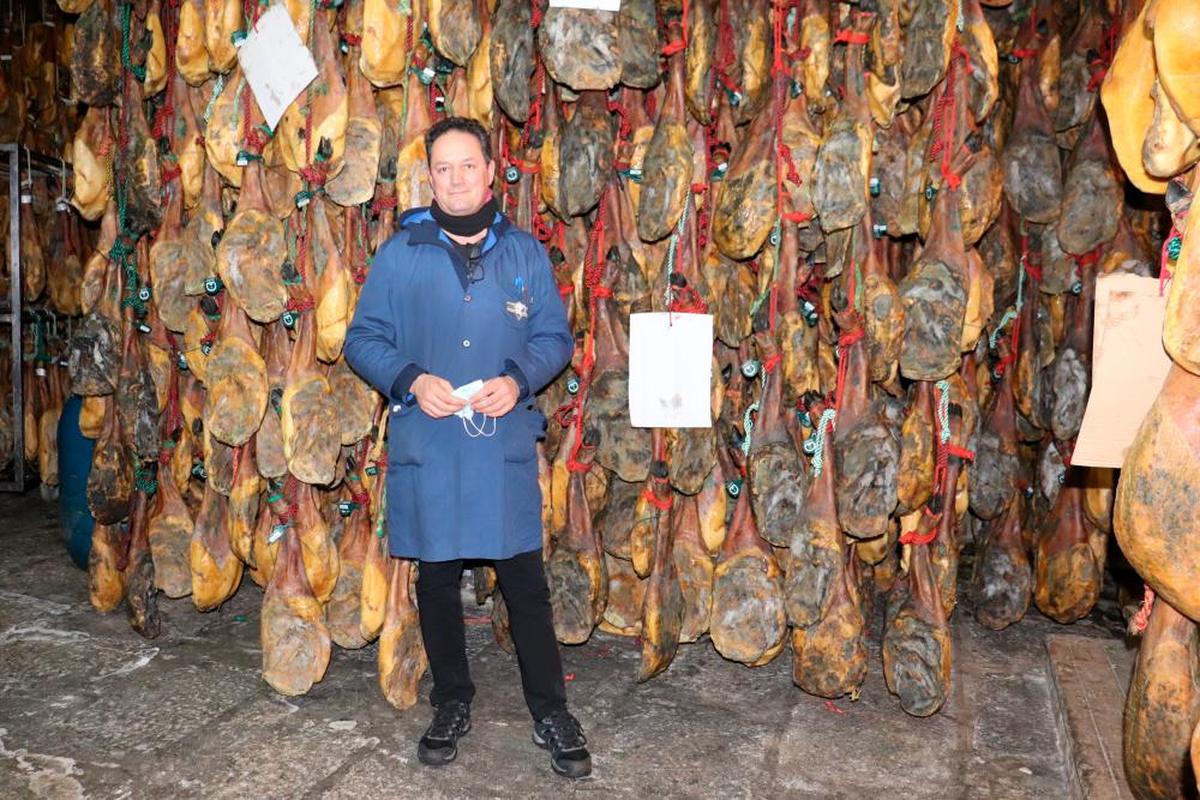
(439, 745)
(561, 734)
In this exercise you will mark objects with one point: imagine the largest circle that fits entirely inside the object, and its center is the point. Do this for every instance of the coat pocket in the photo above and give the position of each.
(407, 436)
(524, 426)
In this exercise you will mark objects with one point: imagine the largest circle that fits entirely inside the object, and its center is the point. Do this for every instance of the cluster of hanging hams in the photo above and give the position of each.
(894, 211)
(35, 59)
(54, 244)
(1152, 96)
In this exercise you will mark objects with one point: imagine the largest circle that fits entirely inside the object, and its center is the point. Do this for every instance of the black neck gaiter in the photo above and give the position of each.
(468, 224)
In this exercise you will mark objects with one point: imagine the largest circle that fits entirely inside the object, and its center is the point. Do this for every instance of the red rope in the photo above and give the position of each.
(945, 121)
(945, 449)
(662, 504)
(914, 537)
(383, 203)
(592, 273)
(847, 36)
(678, 44)
(1090, 258)
(726, 50)
(618, 108)
(845, 341)
(686, 300)
(534, 122)
(1142, 618)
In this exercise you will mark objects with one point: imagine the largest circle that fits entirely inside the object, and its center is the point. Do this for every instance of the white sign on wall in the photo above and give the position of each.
(670, 370)
(276, 63)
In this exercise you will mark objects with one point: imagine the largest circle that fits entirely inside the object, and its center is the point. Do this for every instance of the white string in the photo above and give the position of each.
(468, 424)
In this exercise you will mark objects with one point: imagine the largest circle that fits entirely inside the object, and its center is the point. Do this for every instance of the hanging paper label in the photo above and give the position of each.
(670, 370)
(590, 5)
(276, 63)
(1129, 365)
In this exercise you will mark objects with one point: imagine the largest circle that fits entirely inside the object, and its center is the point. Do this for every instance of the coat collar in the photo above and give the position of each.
(423, 229)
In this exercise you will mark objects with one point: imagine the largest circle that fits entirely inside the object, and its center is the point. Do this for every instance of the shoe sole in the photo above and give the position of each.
(426, 757)
(554, 766)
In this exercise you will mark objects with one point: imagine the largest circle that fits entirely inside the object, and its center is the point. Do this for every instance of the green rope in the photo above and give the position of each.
(40, 353)
(1011, 313)
(143, 479)
(777, 238)
(672, 246)
(218, 87)
(943, 410)
(139, 72)
(828, 420)
(381, 522)
(748, 425)
(1174, 248)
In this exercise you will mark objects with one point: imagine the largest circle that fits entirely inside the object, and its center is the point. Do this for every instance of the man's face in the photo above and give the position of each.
(460, 175)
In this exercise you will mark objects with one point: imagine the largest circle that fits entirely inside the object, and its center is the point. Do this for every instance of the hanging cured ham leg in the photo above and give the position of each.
(866, 452)
(141, 595)
(662, 607)
(295, 641)
(402, 659)
(1163, 706)
(575, 569)
(916, 642)
(815, 553)
(1003, 580)
(749, 623)
(830, 656)
(1157, 526)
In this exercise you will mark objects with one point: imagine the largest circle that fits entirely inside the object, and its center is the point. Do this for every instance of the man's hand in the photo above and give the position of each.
(497, 397)
(435, 396)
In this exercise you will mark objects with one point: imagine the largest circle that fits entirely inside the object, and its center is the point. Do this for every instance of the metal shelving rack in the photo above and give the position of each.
(10, 311)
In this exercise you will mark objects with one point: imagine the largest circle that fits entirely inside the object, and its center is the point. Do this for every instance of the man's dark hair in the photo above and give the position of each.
(463, 124)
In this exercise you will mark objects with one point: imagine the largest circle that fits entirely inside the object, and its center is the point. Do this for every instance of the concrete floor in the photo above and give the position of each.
(90, 709)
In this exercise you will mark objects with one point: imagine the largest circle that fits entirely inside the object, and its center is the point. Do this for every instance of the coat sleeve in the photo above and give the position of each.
(371, 340)
(550, 341)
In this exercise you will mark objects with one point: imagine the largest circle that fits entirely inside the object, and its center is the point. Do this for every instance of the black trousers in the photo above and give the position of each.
(523, 583)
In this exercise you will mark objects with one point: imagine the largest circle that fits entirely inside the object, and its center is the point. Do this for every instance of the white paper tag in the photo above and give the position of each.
(1129, 366)
(670, 370)
(276, 63)
(591, 5)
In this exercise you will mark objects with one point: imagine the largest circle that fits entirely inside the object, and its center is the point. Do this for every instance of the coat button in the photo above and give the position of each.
(466, 342)
(467, 298)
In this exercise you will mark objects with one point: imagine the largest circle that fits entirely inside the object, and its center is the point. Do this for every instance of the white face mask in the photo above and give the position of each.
(467, 414)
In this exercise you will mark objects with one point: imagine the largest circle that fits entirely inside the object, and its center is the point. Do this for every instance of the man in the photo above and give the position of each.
(459, 295)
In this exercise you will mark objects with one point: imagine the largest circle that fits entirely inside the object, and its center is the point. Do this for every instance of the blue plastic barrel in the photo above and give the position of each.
(74, 464)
